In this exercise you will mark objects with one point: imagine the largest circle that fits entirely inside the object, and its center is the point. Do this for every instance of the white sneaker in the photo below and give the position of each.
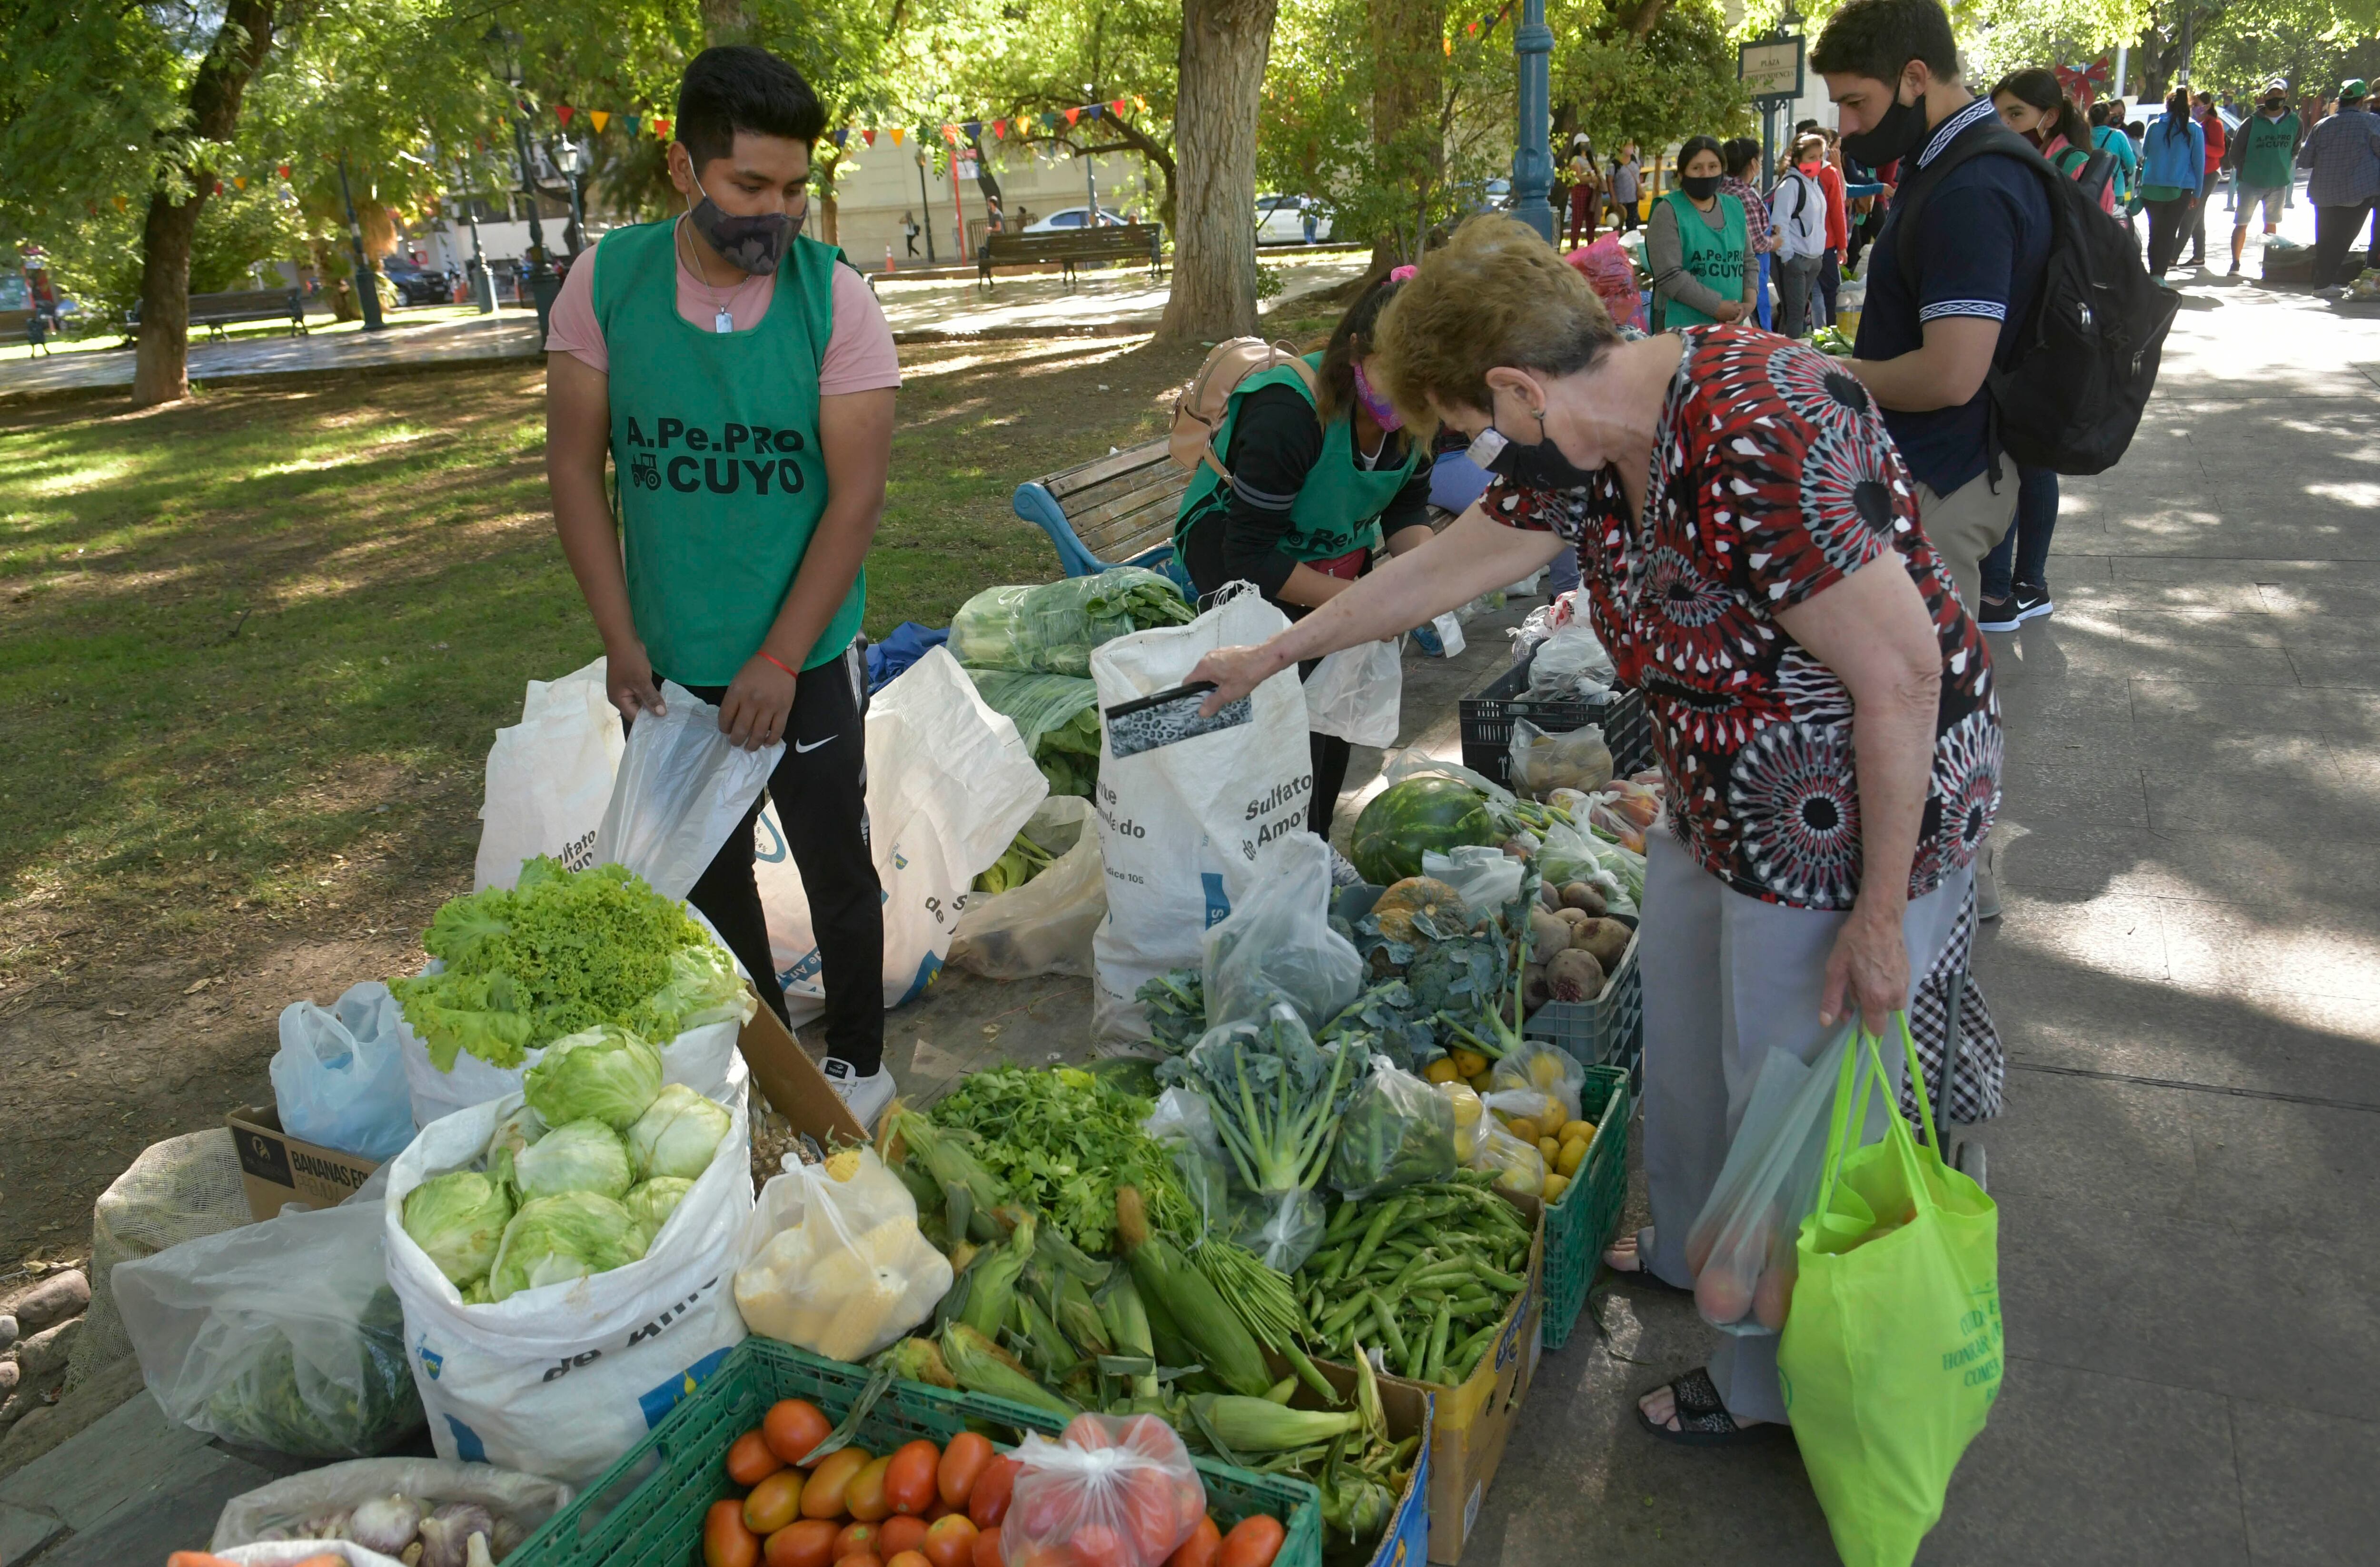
(864, 1097)
(1987, 884)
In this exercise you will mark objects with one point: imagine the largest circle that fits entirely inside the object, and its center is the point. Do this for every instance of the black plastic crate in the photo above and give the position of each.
(1487, 717)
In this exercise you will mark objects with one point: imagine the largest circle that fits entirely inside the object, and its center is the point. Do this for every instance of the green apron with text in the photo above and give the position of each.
(1715, 256)
(715, 442)
(1338, 508)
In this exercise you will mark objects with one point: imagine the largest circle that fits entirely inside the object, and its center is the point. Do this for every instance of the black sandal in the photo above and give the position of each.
(1702, 1420)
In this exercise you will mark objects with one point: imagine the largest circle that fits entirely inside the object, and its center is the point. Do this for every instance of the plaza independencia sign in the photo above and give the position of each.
(1770, 69)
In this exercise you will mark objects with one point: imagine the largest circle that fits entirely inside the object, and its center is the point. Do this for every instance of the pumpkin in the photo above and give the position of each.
(1416, 816)
(1419, 894)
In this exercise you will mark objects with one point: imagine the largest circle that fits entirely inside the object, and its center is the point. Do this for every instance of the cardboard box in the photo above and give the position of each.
(791, 1081)
(278, 1169)
(1407, 1406)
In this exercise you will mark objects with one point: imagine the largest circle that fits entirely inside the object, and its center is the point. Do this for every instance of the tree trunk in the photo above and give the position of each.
(1224, 45)
(826, 233)
(725, 22)
(161, 367)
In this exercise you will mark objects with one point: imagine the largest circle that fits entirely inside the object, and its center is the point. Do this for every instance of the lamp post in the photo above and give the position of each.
(367, 283)
(925, 204)
(483, 287)
(505, 44)
(1533, 162)
(571, 158)
(1090, 166)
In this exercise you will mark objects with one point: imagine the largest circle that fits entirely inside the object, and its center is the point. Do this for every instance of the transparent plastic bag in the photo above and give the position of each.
(1398, 1131)
(1570, 663)
(1357, 693)
(1182, 1123)
(1470, 1112)
(1741, 1247)
(1540, 762)
(1519, 1167)
(338, 1079)
(1542, 1070)
(1283, 1228)
(1121, 1492)
(1488, 878)
(682, 789)
(1277, 944)
(278, 1509)
(1045, 926)
(834, 1263)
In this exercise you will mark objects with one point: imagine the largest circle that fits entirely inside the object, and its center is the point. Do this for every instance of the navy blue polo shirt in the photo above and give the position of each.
(1981, 246)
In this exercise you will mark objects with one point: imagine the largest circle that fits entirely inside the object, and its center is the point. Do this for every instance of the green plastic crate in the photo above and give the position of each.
(1583, 1223)
(646, 1509)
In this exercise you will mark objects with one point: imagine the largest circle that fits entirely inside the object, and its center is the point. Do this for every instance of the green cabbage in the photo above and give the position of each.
(605, 1073)
(679, 1134)
(458, 1219)
(555, 1239)
(579, 1156)
(651, 1202)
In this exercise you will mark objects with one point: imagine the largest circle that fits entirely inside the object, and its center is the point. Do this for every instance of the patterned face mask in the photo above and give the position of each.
(751, 245)
(1384, 412)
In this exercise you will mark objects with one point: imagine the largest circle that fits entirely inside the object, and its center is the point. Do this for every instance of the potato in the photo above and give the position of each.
(1574, 917)
(1584, 897)
(1608, 939)
(1574, 975)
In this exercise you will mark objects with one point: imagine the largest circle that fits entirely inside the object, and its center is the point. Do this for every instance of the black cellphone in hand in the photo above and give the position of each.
(1146, 722)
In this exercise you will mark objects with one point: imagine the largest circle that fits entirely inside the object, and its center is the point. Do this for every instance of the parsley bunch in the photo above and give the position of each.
(1063, 1141)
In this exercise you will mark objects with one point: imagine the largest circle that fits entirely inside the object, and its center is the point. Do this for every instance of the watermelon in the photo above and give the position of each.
(1409, 819)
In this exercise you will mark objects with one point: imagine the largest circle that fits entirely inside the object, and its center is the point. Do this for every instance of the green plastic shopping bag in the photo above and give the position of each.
(1891, 1357)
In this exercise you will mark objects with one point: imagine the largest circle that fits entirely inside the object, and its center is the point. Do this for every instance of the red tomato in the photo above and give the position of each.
(1101, 1545)
(943, 1510)
(900, 1533)
(909, 1559)
(865, 1558)
(826, 1495)
(910, 1480)
(1089, 1432)
(865, 1498)
(1190, 1497)
(962, 1465)
(987, 1503)
(726, 1541)
(808, 1543)
(987, 1548)
(1253, 1542)
(749, 1461)
(951, 1543)
(793, 1427)
(857, 1539)
(1200, 1548)
(775, 1502)
(1151, 1520)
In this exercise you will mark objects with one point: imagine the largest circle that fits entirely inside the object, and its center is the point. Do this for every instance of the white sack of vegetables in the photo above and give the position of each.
(589, 1322)
(834, 1260)
(1183, 827)
(949, 786)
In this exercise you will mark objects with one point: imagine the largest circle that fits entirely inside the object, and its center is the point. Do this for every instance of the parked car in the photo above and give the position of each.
(1280, 219)
(1067, 219)
(417, 284)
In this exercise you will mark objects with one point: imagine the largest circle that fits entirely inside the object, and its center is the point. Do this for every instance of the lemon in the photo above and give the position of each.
(1470, 1063)
(1577, 1129)
(1555, 1186)
(1551, 1148)
(1572, 1155)
(1441, 1071)
(1523, 1128)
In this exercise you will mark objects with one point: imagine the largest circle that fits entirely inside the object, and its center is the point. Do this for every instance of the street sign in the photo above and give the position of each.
(1770, 69)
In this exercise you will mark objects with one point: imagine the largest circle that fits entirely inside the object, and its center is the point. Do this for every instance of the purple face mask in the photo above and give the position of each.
(1384, 412)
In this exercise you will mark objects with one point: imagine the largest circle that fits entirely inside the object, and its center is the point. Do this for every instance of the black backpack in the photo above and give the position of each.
(2087, 355)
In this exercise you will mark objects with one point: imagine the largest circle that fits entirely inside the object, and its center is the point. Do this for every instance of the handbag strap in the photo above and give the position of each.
(1864, 1063)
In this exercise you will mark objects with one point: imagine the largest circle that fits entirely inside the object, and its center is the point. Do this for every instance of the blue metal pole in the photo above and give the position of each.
(1533, 163)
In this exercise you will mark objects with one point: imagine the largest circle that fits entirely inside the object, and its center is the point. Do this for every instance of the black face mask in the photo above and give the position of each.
(751, 245)
(1532, 465)
(2274, 105)
(1701, 188)
(1895, 135)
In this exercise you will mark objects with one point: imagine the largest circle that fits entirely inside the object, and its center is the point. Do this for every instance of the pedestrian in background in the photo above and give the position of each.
(909, 231)
(2344, 154)
(1838, 222)
(1699, 246)
(1586, 191)
(2107, 136)
(2263, 157)
(1627, 182)
(2211, 125)
(1798, 208)
(1742, 157)
(2174, 163)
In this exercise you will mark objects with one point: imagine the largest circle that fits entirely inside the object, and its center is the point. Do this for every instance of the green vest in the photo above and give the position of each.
(1717, 258)
(1338, 508)
(2268, 161)
(715, 442)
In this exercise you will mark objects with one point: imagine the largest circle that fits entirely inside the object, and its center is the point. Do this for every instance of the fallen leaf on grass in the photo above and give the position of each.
(197, 985)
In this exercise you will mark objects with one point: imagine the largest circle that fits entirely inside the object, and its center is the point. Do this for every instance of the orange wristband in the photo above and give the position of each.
(780, 663)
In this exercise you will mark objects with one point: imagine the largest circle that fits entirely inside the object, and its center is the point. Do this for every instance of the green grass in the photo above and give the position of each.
(253, 647)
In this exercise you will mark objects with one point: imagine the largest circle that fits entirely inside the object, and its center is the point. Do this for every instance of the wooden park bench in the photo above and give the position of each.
(1112, 511)
(1113, 242)
(216, 311)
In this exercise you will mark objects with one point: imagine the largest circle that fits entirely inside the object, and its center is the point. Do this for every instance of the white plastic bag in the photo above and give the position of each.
(682, 789)
(1121, 1492)
(284, 1553)
(561, 1379)
(1570, 663)
(1045, 926)
(1277, 944)
(283, 1334)
(1182, 828)
(948, 785)
(550, 778)
(1357, 693)
(1488, 878)
(273, 1513)
(838, 1266)
(338, 1079)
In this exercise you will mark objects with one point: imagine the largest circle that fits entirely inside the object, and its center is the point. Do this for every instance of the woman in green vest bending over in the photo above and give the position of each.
(1699, 248)
(1320, 474)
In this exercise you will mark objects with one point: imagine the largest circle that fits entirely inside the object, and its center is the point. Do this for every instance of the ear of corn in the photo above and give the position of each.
(980, 1366)
(1256, 1425)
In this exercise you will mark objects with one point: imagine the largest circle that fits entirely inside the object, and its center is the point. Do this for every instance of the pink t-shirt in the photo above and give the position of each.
(859, 352)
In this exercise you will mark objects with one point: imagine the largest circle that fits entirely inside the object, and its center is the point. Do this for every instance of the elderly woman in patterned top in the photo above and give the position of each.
(1821, 703)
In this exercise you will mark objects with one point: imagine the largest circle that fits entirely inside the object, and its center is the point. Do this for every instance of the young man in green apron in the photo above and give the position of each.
(740, 381)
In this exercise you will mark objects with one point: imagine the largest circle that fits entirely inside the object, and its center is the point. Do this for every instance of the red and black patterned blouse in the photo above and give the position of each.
(1772, 479)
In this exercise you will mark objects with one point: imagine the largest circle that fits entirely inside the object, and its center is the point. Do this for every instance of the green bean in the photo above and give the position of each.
(1375, 1233)
(1387, 1321)
(1434, 1362)
(1347, 1312)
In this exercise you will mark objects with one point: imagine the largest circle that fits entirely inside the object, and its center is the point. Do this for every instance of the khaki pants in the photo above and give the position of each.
(1967, 524)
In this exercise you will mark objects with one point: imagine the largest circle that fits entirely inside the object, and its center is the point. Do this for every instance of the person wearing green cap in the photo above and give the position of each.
(2262, 153)
(2344, 154)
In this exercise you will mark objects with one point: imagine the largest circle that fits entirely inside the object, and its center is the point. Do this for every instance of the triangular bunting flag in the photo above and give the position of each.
(218, 188)
(599, 118)
(285, 168)
(898, 132)
(999, 129)
(1118, 107)
(1049, 122)
(1139, 103)
(869, 137)
(951, 135)
(630, 122)
(119, 204)
(1450, 45)
(661, 128)
(239, 182)
(1072, 114)
(840, 137)
(974, 129)
(564, 111)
